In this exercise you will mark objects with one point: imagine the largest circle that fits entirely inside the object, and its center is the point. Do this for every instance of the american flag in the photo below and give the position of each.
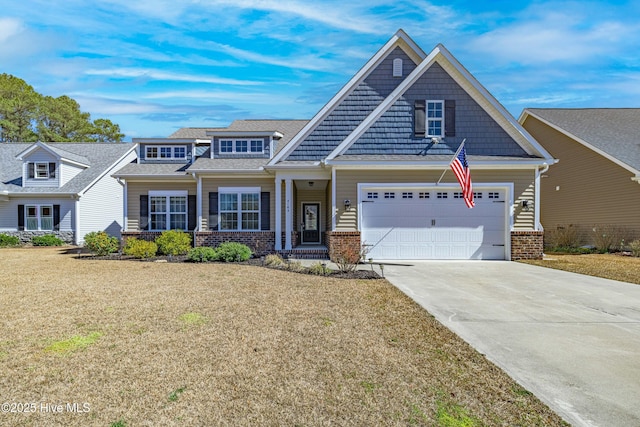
(460, 168)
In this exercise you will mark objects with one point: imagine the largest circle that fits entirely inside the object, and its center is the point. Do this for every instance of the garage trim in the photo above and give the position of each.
(507, 187)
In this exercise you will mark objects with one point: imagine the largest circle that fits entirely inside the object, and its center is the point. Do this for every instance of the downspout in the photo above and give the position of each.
(125, 205)
(536, 203)
(198, 206)
(76, 221)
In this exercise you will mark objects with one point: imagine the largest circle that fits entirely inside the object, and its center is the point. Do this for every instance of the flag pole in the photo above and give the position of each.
(452, 159)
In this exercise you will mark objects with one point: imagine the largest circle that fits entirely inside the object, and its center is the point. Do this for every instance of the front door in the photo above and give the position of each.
(311, 223)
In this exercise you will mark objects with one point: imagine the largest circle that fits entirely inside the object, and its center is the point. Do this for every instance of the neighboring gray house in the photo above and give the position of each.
(367, 169)
(64, 189)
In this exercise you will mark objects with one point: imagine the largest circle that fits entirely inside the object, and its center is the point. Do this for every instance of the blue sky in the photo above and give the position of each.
(154, 66)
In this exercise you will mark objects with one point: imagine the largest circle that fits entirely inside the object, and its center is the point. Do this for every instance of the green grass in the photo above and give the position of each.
(174, 395)
(76, 342)
(193, 319)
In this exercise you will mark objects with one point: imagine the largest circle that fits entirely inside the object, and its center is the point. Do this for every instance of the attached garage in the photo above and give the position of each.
(432, 222)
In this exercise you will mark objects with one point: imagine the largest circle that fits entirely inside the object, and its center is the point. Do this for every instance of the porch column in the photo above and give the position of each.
(199, 204)
(289, 213)
(278, 245)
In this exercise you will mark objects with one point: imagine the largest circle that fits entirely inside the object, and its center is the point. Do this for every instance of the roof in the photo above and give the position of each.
(614, 132)
(98, 156)
(367, 110)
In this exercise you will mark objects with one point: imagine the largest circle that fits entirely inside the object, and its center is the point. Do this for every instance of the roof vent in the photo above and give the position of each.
(397, 67)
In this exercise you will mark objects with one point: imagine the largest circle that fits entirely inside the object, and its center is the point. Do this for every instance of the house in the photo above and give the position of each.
(370, 169)
(595, 183)
(64, 189)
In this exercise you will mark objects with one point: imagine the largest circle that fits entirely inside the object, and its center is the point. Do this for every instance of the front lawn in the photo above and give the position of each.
(608, 266)
(125, 343)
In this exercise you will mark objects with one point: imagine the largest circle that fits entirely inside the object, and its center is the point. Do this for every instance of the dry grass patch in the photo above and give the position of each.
(214, 344)
(608, 266)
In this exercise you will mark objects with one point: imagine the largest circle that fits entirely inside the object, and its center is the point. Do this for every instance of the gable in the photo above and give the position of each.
(393, 132)
(349, 113)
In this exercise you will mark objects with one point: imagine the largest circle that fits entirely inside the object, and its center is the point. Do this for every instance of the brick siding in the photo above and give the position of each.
(527, 245)
(260, 242)
(340, 241)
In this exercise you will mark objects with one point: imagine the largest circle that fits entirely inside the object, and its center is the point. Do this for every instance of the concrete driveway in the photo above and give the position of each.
(572, 340)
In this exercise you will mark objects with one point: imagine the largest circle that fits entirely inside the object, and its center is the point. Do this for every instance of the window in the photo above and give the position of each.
(494, 195)
(457, 195)
(407, 195)
(168, 211)
(39, 217)
(241, 146)
(442, 195)
(42, 171)
(389, 195)
(166, 152)
(226, 146)
(423, 195)
(372, 195)
(435, 118)
(477, 195)
(239, 209)
(257, 146)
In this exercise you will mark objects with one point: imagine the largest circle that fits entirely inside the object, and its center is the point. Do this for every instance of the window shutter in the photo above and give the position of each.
(31, 170)
(20, 217)
(450, 117)
(52, 170)
(420, 118)
(213, 210)
(265, 210)
(56, 217)
(193, 215)
(144, 212)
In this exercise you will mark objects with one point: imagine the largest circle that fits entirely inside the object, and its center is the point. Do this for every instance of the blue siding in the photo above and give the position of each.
(393, 132)
(353, 109)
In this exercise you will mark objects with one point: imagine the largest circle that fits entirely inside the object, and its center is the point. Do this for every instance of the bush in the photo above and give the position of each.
(140, 248)
(319, 268)
(232, 252)
(6, 240)
(348, 257)
(273, 260)
(174, 242)
(634, 246)
(564, 236)
(202, 254)
(608, 237)
(100, 243)
(47, 240)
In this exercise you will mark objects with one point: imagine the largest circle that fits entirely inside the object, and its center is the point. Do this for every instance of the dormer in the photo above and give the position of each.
(167, 150)
(45, 165)
(243, 144)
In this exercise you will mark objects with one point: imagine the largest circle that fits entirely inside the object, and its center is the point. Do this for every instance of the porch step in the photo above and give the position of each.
(306, 253)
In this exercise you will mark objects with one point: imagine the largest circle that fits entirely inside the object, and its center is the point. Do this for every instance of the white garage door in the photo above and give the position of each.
(427, 223)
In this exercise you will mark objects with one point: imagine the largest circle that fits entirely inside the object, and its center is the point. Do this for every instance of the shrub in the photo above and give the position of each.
(563, 236)
(47, 240)
(140, 248)
(608, 237)
(174, 242)
(202, 254)
(273, 260)
(232, 252)
(319, 268)
(634, 246)
(348, 257)
(6, 240)
(100, 243)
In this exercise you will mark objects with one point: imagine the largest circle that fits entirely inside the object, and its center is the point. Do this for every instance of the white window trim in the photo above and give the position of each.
(234, 146)
(35, 170)
(429, 119)
(239, 191)
(167, 213)
(159, 147)
(38, 217)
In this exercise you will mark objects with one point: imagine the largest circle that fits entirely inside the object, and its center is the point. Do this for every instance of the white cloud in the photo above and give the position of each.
(9, 27)
(135, 73)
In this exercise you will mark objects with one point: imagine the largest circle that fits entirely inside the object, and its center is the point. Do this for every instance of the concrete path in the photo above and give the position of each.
(572, 340)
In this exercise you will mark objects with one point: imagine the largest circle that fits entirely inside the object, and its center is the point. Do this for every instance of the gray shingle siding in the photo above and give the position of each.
(393, 132)
(353, 109)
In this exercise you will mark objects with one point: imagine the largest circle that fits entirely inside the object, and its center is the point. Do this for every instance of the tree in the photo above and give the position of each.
(27, 116)
(18, 110)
